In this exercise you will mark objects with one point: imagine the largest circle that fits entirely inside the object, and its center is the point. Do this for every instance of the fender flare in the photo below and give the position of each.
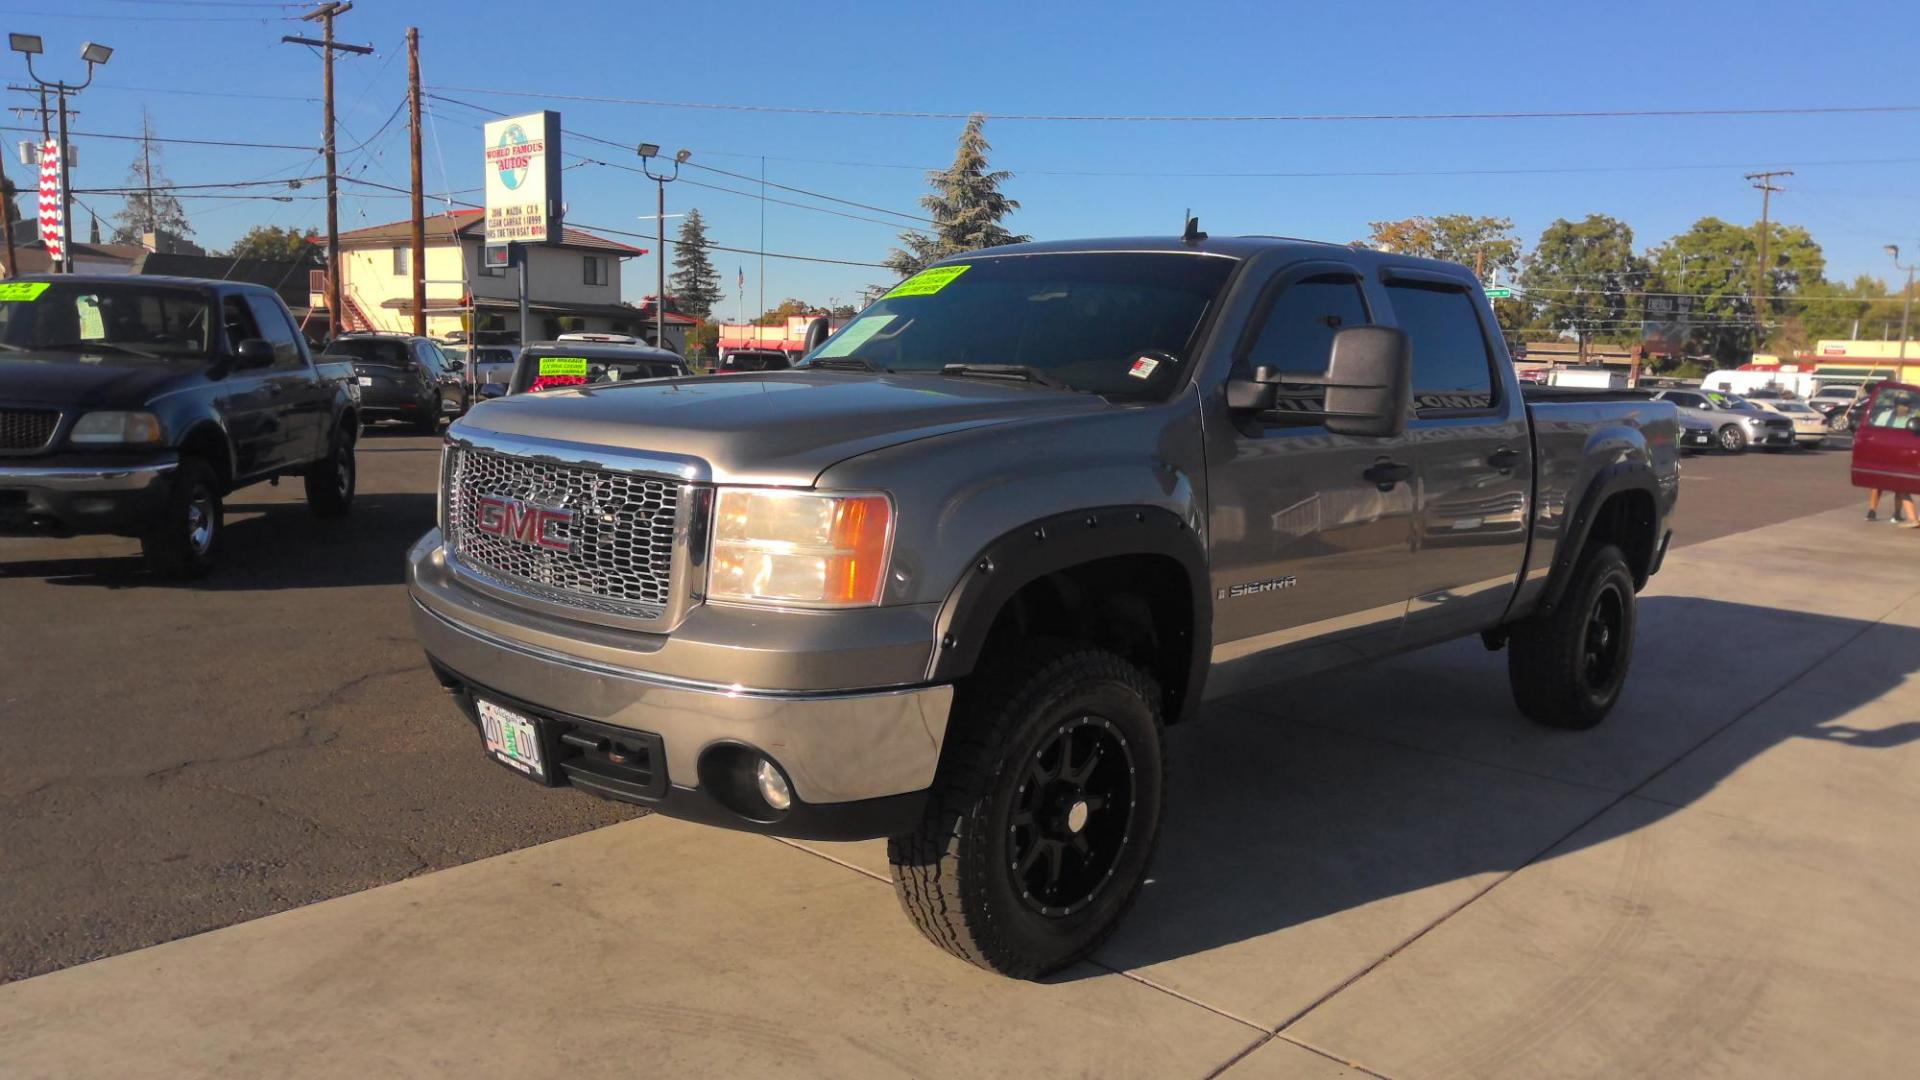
(230, 465)
(1621, 476)
(1025, 554)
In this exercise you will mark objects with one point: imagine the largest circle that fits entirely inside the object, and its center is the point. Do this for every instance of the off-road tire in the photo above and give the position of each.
(1550, 656)
(954, 874)
(174, 548)
(331, 480)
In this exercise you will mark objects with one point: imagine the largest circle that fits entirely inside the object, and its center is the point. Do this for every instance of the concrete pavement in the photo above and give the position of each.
(1385, 871)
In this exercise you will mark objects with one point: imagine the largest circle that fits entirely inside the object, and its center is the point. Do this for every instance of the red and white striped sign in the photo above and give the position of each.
(53, 231)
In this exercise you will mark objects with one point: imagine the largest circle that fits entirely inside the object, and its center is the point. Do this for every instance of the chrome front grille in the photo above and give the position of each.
(27, 429)
(618, 544)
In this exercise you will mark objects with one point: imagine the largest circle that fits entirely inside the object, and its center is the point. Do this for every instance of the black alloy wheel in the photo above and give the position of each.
(1567, 663)
(1070, 817)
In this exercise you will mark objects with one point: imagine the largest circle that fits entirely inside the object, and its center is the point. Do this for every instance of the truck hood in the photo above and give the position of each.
(779, 427)
(66, 380)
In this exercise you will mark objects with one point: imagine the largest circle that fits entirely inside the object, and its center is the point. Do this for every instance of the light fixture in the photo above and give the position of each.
(1894, 250)
(647, 149)
(24, 43)
(95, 53)
(681, 157)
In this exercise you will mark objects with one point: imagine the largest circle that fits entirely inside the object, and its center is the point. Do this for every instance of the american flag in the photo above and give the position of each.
(743, 279)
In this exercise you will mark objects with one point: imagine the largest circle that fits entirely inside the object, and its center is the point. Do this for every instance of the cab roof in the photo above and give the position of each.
(1228, 247)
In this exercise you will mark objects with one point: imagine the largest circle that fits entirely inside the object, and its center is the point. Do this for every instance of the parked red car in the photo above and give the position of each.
(1886, 448)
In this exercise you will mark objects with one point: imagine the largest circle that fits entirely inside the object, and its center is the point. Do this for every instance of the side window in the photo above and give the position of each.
(1297, 335)
(429, 358)
(1452, 366)
(238, 319)
(279, 332)
(1894, 409)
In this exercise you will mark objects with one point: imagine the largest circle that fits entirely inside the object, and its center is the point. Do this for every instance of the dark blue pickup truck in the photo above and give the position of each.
(134, 405)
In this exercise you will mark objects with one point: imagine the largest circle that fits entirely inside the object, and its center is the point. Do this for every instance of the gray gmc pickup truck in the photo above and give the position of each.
(947, 580)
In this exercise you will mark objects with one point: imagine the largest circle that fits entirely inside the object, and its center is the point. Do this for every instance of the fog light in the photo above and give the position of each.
(773, 786)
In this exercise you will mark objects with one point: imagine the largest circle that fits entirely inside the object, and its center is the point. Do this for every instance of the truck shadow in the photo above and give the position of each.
(1374, 784)
(269, 546)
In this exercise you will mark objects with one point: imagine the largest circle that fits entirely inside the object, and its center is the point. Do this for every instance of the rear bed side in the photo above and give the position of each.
(1606, 469)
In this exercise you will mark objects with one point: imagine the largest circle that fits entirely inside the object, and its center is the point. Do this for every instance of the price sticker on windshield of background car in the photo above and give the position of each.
(564, 365)
(22, 291)
(927, 282)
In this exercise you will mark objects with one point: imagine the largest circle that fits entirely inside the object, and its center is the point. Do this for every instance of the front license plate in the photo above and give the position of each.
(512, 738)
(365, 380)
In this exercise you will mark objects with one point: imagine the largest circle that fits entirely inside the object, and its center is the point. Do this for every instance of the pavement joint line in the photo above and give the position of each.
(1633, 793)
(1245, 1052)
(1135, 976)
(1331, 1056)
(862, 871)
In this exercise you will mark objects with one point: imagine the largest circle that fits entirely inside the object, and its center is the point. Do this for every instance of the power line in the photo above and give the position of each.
(643, 236)
(709, 168)
(178, 141)
(894, 114)
(148, 18)
(748, 194)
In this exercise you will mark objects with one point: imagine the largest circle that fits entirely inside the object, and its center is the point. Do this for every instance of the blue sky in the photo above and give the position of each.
(216, 70)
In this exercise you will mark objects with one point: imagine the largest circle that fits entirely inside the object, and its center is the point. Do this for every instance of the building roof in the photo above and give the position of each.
(464, 225)
(30, 255)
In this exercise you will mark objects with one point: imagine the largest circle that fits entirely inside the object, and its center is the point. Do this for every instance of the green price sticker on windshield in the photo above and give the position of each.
(927, 282)
(563, 365)
(27, 291)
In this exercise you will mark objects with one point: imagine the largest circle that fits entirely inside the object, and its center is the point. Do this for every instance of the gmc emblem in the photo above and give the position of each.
(522, 522)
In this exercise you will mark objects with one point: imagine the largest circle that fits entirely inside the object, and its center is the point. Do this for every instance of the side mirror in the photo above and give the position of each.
(818, 331)
(253, 353)
(1368, 385)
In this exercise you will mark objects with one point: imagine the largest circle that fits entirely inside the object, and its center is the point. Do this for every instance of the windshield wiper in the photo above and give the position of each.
(1019, 372)
(94, 346)
(844, 363)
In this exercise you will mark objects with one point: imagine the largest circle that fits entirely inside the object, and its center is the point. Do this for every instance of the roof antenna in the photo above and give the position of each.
(1193, 235)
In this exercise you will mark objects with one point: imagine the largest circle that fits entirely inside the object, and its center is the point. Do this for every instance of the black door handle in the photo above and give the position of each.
(1504, 459)
(1385, 474)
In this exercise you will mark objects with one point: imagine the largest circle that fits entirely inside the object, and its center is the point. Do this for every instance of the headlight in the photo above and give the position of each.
(798, 548)
(116, 427)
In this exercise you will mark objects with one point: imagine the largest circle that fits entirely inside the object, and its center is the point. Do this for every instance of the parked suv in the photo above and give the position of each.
(1737, 424)
(134, 405)
(948, 580)
(401, 377)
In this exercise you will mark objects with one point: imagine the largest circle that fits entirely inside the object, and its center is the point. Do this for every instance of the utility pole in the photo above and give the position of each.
(324, 15)
(146, 174)
(1906, 308)
(419, 207)
(1763, 183)
(6, 220)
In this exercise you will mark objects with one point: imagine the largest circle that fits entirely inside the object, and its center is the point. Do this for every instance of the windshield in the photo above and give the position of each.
(537, 370)
(136, 319)
(1083, 320)
(389, 351)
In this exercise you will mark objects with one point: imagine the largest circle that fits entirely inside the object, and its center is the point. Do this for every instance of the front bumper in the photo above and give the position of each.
(859, 760)
(1697, 439)
(1770, 436)
(73, 494)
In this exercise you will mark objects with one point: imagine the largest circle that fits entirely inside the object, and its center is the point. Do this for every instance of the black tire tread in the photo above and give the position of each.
(164, 548)
(1542, 650)
(926, 863)
(323, 499)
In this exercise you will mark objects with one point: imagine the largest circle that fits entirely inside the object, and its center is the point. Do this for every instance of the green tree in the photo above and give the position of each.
(1583, 278)
(966, 204)
(1715, 265)
(153, 207)
(274, 243)
(1485, 243)
(778, 314)
(694, 284)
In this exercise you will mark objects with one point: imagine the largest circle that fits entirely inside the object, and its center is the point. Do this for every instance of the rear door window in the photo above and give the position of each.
(1452, 365)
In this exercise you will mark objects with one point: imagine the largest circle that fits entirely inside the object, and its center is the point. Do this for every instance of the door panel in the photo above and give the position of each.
(302, 402)
(1474, 457)
(1309, 556)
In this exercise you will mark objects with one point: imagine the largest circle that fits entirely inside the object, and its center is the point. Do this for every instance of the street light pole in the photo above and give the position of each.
(1906, 309)
(649, 151)
(30, 45)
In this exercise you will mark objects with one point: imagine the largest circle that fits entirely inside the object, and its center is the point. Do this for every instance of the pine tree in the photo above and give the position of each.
(153, 208)
(966, 205)
(694, 284)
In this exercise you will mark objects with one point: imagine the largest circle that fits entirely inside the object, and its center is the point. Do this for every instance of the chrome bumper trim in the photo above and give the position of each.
(86, 478)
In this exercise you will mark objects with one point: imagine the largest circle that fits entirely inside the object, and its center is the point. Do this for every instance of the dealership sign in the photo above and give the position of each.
(523, 178)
